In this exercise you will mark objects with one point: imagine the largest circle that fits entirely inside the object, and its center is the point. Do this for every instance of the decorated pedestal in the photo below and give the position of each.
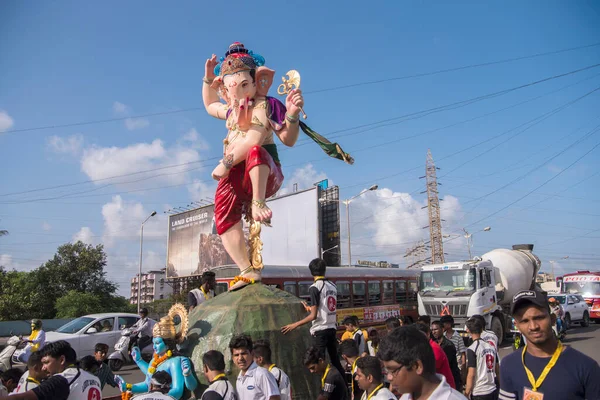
(259, 311)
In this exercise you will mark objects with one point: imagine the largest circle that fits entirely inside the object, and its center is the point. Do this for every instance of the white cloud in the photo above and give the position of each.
(85, 235)
(200, 189)
(104, 162)
(554, 168)
(136, 123)
(384, 224)
(304, 178)
(120, 108)
(122, 221)
(195, 140)
(46, 226)
(6, 261)
(6, 122)
(69, 145)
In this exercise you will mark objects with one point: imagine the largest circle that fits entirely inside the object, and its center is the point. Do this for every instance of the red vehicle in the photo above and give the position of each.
(372, 294)
(586, 284)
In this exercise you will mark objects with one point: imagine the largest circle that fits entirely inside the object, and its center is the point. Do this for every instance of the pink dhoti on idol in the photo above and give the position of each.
(250, 171)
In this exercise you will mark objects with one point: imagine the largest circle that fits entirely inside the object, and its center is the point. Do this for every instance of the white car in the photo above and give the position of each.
(574, 307)
(85, 332)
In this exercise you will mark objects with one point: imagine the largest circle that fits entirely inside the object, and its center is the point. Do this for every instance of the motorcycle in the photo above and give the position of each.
(560, 334)
(122, 353)
(9, 357)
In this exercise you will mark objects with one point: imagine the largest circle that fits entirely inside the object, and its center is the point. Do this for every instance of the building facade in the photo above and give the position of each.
(153, 287)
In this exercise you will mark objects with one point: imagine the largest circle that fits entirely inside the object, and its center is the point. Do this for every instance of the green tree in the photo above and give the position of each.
(75, 304)
(16, 300)
(77, 267)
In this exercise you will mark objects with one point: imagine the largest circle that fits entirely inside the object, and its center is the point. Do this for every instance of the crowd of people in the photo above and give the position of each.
(411, 361)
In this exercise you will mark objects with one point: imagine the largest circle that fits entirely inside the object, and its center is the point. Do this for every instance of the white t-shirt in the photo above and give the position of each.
(359, 337)
(381, 394)
(153, 396)
(24, 384)
(220, 389)
(491, 338)
(443, 392)
(256, 384)
(482, 356)
(323, 294)
(283, 382)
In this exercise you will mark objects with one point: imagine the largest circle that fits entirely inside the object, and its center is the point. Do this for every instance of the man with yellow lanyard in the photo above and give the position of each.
(350, 354)
(333, 386)
(369, 378)
(35, 341)
(545, 369)
(214, 370)
(205, 292)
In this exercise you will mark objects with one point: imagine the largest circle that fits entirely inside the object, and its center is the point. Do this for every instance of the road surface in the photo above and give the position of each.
(583, 339)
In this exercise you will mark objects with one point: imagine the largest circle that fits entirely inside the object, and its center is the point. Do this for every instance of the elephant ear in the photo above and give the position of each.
(264, 80)
(219, 86)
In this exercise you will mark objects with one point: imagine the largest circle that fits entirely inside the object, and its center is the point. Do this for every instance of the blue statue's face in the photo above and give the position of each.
(159, 346)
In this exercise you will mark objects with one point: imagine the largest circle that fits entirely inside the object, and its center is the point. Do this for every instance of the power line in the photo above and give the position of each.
(543, 184)
(147, 115)
(418, 114)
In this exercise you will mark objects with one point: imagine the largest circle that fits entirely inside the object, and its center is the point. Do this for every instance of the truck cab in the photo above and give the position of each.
(460, 289)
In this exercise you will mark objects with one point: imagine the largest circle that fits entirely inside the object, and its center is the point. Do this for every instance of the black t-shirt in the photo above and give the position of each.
(54, 388)
(212, 396)
(450, 351)
(335, 387)
(574, 376)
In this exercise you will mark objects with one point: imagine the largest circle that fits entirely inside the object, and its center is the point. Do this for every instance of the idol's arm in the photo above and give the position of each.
(142, 365)
(186, 367)
(177, 380)
(289, 134)
(212, 103)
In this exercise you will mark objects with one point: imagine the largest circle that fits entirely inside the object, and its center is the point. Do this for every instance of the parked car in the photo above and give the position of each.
(575, 308)
(85, 332)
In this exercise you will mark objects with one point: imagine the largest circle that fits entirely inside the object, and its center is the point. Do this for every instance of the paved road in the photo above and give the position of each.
(583, 339)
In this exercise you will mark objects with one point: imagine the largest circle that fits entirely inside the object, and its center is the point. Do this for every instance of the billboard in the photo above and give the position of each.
(194, 246)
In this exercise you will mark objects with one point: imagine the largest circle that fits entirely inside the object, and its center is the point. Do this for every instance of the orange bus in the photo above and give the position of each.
(372, 294)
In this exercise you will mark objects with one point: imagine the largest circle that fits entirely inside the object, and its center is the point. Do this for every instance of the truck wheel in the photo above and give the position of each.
(115, 364)
(498, 329)
(586, 320)
(567, 321)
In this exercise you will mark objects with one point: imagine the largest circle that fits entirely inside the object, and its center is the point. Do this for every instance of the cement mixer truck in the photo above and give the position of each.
(484, 285)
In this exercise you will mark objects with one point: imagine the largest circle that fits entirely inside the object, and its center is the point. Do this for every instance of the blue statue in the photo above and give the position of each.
(165, 357)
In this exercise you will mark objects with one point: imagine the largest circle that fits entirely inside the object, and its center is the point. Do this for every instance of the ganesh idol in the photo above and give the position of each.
(166, 358)
(235, 90)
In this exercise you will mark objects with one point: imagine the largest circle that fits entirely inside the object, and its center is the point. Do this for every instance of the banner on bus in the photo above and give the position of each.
(370, 315)
(194, 246)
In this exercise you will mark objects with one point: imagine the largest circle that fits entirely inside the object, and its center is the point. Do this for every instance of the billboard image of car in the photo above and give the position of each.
(194, 246)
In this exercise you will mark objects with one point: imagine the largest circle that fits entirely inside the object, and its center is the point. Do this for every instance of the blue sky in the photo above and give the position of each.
(66, 62)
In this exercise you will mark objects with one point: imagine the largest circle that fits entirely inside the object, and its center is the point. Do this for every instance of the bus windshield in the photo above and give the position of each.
(582, 288)
(447, 281)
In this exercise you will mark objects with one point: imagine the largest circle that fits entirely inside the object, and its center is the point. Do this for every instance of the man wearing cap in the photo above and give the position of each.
(545, 369)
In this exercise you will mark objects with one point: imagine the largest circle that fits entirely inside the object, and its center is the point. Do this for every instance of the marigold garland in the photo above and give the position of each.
(241, 278)
(159, 360)
(126, 395)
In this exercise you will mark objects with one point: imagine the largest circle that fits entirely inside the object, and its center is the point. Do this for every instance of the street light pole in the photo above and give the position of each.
(139, 302)
(347, 203)
(469, 237)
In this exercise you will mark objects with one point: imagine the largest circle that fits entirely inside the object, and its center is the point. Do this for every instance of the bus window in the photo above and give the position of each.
(359, 298)
(343, 294)
(290, 287)
(388, 292)
(374, 293)
(303, 291)
(400, 292)
(412, 291)
(221, 288)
